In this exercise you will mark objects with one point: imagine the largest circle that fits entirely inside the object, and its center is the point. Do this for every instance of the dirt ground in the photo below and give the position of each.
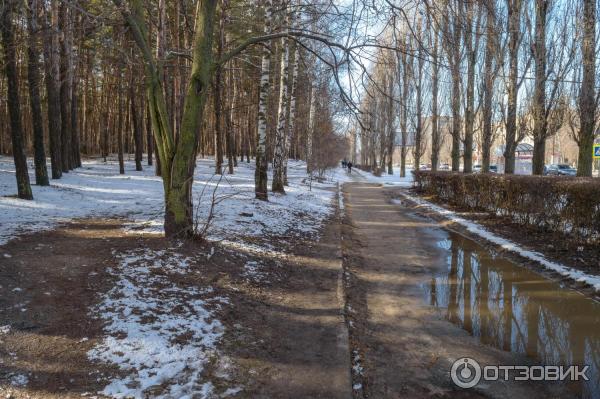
(284, 330)
(405, 348)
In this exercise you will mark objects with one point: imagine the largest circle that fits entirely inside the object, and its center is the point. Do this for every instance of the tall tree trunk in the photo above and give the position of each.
(454, 57)
(149, 137)
(14, 104)
(419, 110)
(514, 8)
(229, 139)
(404, 115)
(52, 80)
(488, 88)
(75, 143)
(540, 128)
(435, 131)
(217, 107)
(587, 96)
(33, 75)
(391, 126)
(280, 135)
(311, 129)
(75, 80)
(120, 125)
(470, 95)
(260, 178)
(292, 116)
(218, 98)
(137, 130)
(66, 76)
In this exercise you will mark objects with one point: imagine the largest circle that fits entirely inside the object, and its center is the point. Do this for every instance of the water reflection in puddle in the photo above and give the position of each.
(517, 310)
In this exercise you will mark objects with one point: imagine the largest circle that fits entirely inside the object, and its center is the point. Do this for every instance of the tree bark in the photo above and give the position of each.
(16, 129)
(217, 107)
(514, 7)
(488, 88)
(33, 76)
(419, 109)
(280, 135)
(66, 76)
(311, 129)
(404, 114)
(435, 132)
(52, 80)
(149, 137)
(540, 128)
(120, 125)
(260, 178)
(217, 98)
(470, 95)
(587, 96)
(454, 59)
(229, 139)
(137, 131)
(292, 116)
(391, 126)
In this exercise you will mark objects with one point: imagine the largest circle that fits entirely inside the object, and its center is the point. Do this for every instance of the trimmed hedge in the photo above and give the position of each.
(565, 205)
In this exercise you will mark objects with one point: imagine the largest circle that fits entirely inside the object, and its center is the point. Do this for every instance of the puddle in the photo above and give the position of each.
(517, 310)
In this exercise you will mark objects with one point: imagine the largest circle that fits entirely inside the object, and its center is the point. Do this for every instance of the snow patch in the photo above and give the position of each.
(253, 272)
(161, 333)
(389, 180)
(19, 380)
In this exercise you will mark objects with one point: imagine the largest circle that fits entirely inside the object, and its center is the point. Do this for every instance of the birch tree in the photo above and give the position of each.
(281, 132)
(261, 179)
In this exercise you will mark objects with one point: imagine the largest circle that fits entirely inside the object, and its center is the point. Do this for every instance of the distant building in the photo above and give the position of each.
(523, 159)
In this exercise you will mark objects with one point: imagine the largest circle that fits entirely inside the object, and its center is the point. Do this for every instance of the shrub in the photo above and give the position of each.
(551, 204)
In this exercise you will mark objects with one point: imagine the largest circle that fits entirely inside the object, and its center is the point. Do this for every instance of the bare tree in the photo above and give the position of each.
(587, 94)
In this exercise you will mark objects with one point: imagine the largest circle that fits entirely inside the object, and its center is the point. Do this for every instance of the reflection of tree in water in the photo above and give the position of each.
(592, 351)
(513, 309)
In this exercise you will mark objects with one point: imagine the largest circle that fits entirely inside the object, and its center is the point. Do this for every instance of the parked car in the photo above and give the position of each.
(424, 167)
(476, 168)
(444, 166)
(493, 168)
(561, 170)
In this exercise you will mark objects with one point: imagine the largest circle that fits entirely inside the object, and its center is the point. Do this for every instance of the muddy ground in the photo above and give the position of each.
(284, 329)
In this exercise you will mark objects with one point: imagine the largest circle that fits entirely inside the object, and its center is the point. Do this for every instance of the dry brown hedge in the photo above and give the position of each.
(551, 204)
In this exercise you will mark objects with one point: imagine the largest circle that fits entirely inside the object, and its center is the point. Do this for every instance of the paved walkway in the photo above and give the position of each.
(407, 347)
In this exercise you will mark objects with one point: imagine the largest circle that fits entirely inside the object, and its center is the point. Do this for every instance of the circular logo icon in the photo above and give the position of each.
(466, 372)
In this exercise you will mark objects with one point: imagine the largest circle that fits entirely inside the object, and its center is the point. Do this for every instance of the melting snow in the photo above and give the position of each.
(97, 190)
(19, 380)
(160, 333)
